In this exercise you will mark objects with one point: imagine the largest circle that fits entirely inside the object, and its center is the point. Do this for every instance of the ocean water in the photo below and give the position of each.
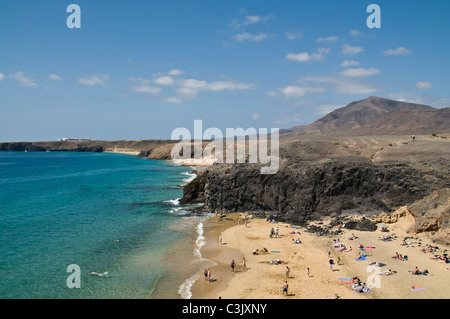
(111, 214)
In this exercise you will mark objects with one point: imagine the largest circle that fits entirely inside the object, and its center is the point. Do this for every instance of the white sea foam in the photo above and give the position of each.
(190, 178)
(200, 242)
(185, 288)
(174, 202)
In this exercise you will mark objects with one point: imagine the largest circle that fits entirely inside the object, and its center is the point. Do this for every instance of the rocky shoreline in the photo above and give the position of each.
(316, 179)
(341, 188)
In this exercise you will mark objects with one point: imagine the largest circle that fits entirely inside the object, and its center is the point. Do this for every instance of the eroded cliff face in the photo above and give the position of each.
(303, 190)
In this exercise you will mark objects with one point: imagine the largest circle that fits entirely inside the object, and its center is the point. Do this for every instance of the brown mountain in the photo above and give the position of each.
(379, 116)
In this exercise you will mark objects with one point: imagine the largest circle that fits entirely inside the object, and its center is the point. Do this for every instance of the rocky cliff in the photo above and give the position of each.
(311, 189)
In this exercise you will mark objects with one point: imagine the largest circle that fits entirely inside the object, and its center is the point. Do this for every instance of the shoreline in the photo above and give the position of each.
(264, 280)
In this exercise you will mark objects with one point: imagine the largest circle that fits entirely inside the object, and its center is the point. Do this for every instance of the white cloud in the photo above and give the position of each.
(398, 51)
(293, 91)
(305, 56)
(332, 39)
(348, 63)
(164, 80)
(348, 49)
(354, 33)
(140, 80)
(23, 80)
(189, 88)
(95, 79)
(255, 116)
(344, 85)
(423, 85)
(324, 109)
(360, 72)
(253, 19)
(2, 76)
(421, 99)
(214, 86)
(289, 119)
(249, 20)
(324, 50)
(242, 37)
(175, 72)
(172, 99)
(55, 77)
(293, 35)
(144, 88)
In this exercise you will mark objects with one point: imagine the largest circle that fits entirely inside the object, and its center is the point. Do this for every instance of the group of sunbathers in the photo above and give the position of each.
(359, 286)
(417, 271)
(443, 257)
(337, 243)
(257, 251)
(388, 272)
(400, 257)
(387, 238)
(431, 249)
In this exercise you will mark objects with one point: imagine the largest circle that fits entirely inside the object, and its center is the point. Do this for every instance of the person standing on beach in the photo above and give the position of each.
(244, 264)
(277, 232)
(307, 272)
(287, 272)
(220, 239)
(233, 264)
(331, 261)
(206, 274)
(285, 288)
(209, 275)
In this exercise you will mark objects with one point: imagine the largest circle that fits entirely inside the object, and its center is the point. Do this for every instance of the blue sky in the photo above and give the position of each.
(140, 69)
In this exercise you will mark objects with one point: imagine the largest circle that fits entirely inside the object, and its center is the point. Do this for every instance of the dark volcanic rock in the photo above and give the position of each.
(364, 224)
(53, 147)
(194, 192)
(308, 190)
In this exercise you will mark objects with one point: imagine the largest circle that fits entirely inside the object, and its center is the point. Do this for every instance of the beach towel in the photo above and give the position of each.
(275, 251)
(363, 257)
(416, 287)
(345, 278)
(346, 281)
(363, 290)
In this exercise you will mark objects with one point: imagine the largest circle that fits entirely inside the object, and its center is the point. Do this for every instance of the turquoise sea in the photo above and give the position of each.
(111, 214)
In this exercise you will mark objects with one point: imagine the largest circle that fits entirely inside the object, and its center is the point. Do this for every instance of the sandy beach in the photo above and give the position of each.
(264, 279)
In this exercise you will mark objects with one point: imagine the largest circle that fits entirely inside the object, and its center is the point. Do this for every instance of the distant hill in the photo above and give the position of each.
(379, 116)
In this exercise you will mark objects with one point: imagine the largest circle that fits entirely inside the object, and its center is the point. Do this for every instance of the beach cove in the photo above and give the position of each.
(264, 276)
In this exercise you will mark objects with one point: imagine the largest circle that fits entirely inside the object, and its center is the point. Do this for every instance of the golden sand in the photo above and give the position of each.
(264, 280)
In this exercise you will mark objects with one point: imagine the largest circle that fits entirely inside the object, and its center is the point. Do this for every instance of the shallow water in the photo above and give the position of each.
(58, 209)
